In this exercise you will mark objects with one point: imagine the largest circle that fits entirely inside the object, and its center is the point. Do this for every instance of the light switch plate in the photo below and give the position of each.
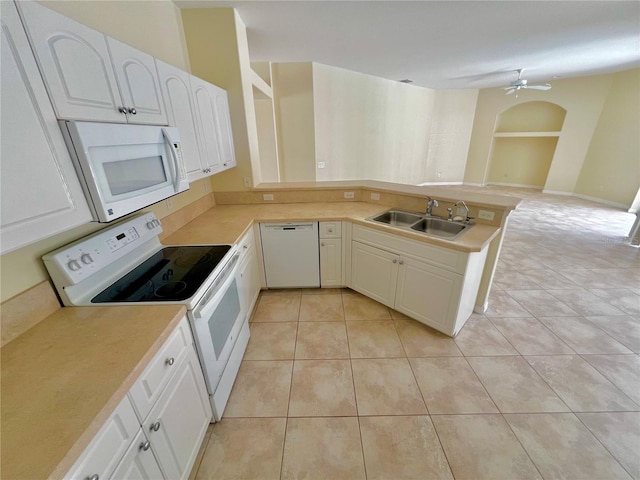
(375, 196)
(348, 194)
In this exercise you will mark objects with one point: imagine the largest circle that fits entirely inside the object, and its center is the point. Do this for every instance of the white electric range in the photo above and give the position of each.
(126, 263)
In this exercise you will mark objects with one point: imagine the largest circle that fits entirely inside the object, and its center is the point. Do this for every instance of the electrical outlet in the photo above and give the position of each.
(247, 182)
(206, 187)
(169, 204)
(438, 175)
(267, 196)
(375, 196)
(486, 215)
(348, 194)
(320, 164)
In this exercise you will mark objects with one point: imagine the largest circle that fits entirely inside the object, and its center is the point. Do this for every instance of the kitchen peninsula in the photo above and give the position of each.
(232, 216)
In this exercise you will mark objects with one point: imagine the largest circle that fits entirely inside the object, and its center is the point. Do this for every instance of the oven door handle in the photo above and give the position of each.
(219, 285)
(174, 156)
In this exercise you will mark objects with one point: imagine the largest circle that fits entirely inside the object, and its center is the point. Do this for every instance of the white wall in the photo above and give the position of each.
(450, 135)
(364, 127)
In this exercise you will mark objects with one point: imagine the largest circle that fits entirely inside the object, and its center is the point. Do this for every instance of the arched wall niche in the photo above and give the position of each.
(524, 143)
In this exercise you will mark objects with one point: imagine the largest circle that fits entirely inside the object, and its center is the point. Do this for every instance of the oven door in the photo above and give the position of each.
(216, 323)
(126, 167)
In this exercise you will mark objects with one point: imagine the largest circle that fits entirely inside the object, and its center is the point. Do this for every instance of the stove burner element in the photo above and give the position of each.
(170, 289)
(189, 260)
(171, 274)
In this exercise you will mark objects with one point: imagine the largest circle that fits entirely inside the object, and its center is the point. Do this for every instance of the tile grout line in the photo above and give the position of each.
(601, 443)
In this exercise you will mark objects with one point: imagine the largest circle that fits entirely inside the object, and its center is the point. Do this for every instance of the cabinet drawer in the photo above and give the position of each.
(330, 229)
(110, 444)
(145, 392)
(451, 260)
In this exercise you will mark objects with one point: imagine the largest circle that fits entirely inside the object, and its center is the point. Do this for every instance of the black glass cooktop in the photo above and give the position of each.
(170, 275)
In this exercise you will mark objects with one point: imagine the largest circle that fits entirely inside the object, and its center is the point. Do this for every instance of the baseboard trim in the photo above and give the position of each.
(471, 184)
(587, 197)
(601, 200)
(480, 309)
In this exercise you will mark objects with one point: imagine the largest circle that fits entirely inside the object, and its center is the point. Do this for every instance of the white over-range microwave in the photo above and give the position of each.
(123, 168)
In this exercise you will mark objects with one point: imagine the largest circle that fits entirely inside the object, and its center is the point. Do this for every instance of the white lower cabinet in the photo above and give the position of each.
(178, 422)
(101, 457)
(163, 444)
(434, 285)
(248, 273)
(138, 463)
(374, 273)
(331, 254)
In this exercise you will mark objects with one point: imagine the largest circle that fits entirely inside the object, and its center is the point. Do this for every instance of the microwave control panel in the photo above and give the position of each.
(77, 261)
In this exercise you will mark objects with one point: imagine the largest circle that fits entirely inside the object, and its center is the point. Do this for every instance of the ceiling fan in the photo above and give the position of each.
(521, 83)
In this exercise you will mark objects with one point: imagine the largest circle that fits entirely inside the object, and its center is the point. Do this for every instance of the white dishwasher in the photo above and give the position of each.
(291, 254)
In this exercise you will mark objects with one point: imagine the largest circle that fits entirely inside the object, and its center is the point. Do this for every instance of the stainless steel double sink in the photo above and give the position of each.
(421, 223)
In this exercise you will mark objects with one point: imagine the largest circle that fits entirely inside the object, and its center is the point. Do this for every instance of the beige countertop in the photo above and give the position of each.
(62, 379)
(227, 223)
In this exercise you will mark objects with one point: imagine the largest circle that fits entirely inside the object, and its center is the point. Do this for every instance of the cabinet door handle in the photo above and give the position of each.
(144, 446)
(155, 426)
(401, 262)
(322, 244)
(394, 261)
(122, 110)
(95, 476)
(132, 111)
(170, 361)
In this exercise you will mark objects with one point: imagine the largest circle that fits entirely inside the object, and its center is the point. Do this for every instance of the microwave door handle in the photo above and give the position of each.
(174, 156)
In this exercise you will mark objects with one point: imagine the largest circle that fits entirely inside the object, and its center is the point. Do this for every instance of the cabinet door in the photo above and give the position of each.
(207, 124)
(248, 281)
(428, 294)
(138, 84)
(181, 113)
(40, 192)
(374, 272)
(331, 262)
(227, 151)
(138, 463)
(178, 422)
(74, 61)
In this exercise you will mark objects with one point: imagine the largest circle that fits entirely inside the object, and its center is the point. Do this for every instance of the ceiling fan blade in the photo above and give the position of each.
(540, 87)
(510, 90)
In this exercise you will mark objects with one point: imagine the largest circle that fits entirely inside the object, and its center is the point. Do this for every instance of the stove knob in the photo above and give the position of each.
(150, 225)
(86, 258)
(74, 265)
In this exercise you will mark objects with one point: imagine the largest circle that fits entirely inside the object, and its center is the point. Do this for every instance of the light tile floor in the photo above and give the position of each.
(546, 384)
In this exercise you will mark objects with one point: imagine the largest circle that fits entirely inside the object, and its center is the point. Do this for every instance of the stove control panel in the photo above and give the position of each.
(77, 261)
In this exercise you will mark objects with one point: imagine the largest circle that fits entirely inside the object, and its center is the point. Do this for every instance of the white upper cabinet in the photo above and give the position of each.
(204, 96)
(181, 113)
(79, 74)
(40, 192)
(227, 151)
(138, 82)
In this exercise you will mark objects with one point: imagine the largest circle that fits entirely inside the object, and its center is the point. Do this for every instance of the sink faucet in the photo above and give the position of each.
(430, 204)
(466, 209)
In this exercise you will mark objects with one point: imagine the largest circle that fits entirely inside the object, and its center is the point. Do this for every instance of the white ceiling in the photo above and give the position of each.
(445, 44)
